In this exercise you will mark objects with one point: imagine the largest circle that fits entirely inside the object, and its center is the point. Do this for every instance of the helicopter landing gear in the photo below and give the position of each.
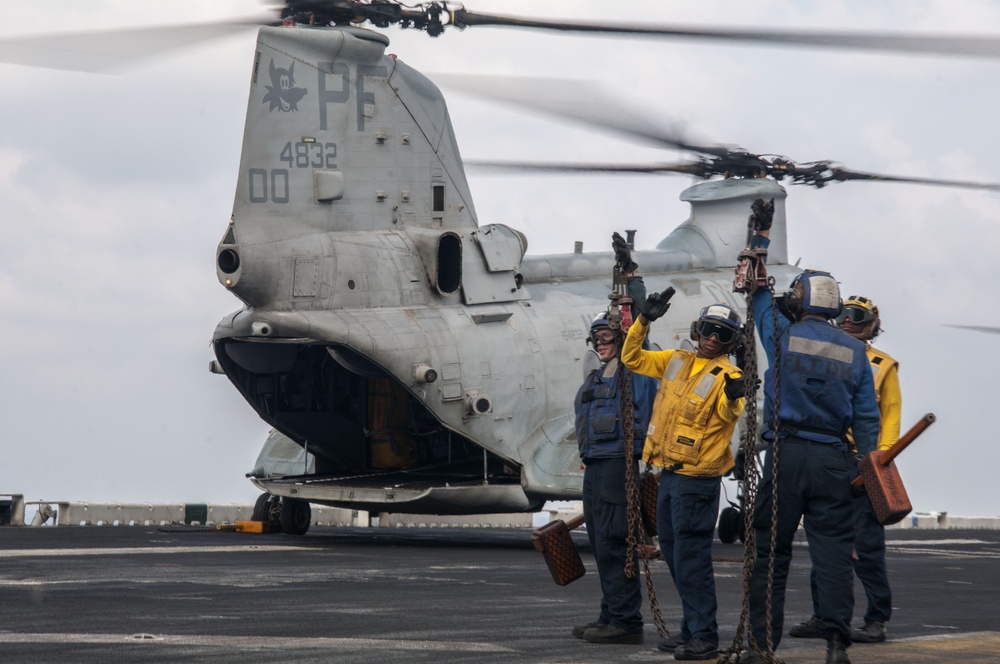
(282, 515)
(260, 507)
(731, 525)
(295, 516)
(269, 509)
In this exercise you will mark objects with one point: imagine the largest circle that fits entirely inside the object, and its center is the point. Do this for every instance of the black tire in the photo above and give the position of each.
(296, 515)
(729, 525)
(260, 508)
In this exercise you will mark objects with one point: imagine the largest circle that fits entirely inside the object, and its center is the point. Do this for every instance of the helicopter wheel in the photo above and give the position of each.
(260, 508)
(296, 515)
(730, 525)
(268, 509)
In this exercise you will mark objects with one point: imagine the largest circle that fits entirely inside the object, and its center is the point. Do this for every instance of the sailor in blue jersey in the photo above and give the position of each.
(826, 388)
(601, 438)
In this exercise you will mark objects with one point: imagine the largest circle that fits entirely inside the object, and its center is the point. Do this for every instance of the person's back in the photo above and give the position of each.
(824, 375)
(820, 382)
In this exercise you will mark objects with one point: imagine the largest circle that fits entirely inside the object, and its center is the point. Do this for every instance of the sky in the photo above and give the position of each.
(116, 189)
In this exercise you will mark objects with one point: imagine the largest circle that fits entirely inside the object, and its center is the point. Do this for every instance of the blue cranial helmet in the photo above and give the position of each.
(813, 292)
(721, 313)
(600, 320)
(722, 321)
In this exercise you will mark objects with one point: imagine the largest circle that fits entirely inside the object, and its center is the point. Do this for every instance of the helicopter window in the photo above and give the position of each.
(449, 272)
(438, 192)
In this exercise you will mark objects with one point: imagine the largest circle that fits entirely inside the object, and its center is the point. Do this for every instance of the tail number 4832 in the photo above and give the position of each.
(309, 155)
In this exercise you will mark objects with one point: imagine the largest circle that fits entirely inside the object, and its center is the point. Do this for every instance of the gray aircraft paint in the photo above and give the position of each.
(353, 232)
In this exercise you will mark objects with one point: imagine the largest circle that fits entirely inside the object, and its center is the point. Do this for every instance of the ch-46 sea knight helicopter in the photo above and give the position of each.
(408, 357)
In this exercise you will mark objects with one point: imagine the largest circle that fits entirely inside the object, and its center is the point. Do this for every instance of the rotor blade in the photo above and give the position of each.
(103, 51)
(977, 328)
(980, 46)
(696, 168)
(844, 175)
(577, 100)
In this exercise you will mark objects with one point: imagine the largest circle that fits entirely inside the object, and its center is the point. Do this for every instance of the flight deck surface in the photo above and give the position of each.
(146, 594)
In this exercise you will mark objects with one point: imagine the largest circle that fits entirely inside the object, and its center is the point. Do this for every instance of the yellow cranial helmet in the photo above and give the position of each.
(860, 310)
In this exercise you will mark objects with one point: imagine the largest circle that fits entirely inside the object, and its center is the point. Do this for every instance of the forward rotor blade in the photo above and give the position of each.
(686, 168)
(844, 175)
(103, 51)
(979, 46)
(576, 100)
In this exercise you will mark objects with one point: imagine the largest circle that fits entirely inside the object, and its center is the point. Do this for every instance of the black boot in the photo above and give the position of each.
(836, 651)
(810, 629)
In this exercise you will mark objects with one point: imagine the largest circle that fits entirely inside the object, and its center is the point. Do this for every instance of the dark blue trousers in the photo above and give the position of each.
(814, 484)
(869, 544)
(605, 512)
(686, 511)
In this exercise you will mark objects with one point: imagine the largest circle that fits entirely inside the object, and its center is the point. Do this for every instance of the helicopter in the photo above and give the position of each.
(456, 455)
(422, 359)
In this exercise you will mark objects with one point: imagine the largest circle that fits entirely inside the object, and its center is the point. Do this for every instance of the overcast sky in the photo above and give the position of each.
(115, 190)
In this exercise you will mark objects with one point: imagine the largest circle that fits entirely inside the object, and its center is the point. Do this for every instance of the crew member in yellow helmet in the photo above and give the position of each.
(860, 319)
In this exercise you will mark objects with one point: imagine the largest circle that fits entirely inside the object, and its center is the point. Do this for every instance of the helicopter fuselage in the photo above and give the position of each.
(417, 360)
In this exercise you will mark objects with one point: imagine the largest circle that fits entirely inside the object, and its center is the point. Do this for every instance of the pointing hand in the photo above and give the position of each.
(657, 304)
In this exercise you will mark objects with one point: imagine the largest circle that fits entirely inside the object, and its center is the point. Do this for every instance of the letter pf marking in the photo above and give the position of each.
(365, 100)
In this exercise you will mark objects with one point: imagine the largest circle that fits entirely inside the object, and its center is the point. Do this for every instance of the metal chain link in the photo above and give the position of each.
(775, 445)
(751, 478)
(619, 319)
(635, 547)
(768, 655)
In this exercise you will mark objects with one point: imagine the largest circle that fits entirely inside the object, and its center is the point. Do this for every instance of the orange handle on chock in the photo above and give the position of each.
(888, 455)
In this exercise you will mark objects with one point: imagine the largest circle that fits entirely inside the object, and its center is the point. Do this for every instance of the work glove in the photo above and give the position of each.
(623, 255)
(736, 388)
(740, 466)
(657, 304)
(853, 472)
(762, 214)
(740, 354)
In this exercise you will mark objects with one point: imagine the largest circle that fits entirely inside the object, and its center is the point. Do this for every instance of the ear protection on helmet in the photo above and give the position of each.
(811, 292)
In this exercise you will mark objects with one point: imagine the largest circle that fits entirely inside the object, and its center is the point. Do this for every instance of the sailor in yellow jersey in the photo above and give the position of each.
(860, 319)
(700, 397)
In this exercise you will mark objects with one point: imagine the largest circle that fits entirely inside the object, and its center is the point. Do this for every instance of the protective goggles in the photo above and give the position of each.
(602, 338)
(725, 334)
(857, 315)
